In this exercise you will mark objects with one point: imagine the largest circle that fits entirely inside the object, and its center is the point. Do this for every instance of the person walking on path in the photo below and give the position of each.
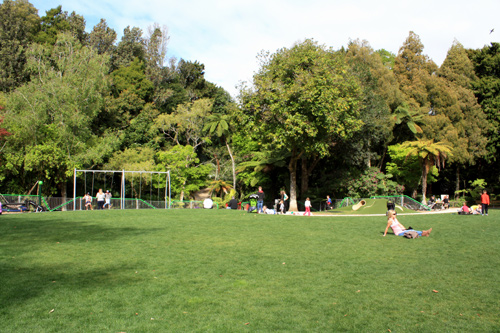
(485, 202)
(308, 207)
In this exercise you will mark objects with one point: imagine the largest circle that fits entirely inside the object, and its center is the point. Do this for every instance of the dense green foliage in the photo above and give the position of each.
(230, 271)
(311, 119)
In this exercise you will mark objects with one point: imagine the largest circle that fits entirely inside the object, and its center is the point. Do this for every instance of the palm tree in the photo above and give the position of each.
(218, 124)
(429, 153)
(404, 115)
(220, 186)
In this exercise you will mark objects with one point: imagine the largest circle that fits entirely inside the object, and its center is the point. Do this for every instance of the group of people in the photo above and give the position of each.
(103, 200)
(444, 204)
(477, 209)
(282, 204)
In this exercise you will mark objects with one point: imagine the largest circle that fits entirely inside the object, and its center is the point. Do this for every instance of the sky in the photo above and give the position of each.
(227, 35)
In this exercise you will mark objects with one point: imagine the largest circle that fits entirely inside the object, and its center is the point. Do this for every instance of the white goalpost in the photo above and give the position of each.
(122, 174)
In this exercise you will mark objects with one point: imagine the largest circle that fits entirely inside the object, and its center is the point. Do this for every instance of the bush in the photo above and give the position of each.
(371, 183)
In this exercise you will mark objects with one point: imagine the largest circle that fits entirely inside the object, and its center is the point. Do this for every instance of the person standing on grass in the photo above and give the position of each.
(282, 207)
(100, 199)
(485, 202)
(107, 198)
(260, 200)
(308, 207)
(284, 198)
(399, 229)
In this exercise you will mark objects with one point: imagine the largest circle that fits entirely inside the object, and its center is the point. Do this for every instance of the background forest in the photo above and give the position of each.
(314, 121)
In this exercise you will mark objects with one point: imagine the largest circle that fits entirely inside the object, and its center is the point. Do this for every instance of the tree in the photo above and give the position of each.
(487, 90)
(464, 111)
(19, 22)
(56, 21)
(413, 70)
(50, 117)
(130, 47)
(185, 125)
(102, 38)
(186, 174)
(304, 101)
(380, 89)
(429, 153)
(407, 169)
(218, 124)
(220, 187)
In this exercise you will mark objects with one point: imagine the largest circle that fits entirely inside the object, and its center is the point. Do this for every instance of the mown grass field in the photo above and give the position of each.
(230, 271)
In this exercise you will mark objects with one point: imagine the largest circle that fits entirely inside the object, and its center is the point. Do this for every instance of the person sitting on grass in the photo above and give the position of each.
(464, 210)
(475, 210)
(399, 229)
(268, 210)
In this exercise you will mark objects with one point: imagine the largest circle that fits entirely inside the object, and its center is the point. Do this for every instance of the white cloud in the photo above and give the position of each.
(227, 35)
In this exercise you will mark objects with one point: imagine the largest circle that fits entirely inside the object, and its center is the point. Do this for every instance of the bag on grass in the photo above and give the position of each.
(411, 234)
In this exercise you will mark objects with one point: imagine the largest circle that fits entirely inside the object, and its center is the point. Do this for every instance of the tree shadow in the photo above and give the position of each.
(22, 279)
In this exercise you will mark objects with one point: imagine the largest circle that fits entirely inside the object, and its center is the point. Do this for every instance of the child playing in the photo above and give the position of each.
(282, 207)
(308, 207)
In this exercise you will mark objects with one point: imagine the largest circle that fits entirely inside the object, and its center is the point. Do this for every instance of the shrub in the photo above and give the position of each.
(373, 182)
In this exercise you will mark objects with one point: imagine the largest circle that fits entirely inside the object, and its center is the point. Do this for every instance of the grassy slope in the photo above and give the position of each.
(372, 206)
(199, 270)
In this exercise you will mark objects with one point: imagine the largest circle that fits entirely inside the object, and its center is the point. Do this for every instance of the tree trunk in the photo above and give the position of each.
(306, 172)
(457, 186)
(304, 178)
(425, 171)
(292, 168)
(64, 195)
(233, 165)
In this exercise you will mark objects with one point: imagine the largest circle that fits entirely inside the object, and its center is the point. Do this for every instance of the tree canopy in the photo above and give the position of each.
(313, 120)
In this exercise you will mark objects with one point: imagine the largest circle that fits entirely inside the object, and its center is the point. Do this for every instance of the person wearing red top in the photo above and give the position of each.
(485, 202)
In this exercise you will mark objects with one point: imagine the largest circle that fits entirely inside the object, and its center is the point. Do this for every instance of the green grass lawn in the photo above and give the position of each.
(225, 271)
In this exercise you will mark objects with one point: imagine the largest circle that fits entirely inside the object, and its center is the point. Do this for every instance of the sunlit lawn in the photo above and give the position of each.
(227, 271)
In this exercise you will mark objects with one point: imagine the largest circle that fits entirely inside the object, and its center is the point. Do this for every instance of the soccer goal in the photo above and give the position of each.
(129, 189)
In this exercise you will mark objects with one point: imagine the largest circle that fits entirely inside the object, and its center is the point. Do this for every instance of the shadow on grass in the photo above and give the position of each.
(29, 233)
(22, 277)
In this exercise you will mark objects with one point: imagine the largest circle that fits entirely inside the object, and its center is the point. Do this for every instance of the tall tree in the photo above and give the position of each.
(57, 21)
(304, 100)
(413, 69)
(487, 90)
(130, 47)
(50, 117)
(185, 125)
(19, 22)
(464, 111)
(378, 98)
(102, 38)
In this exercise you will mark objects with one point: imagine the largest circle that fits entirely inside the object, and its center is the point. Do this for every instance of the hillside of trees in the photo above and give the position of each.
(314, 121)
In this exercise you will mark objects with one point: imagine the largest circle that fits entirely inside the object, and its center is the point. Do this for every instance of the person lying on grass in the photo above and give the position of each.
(399, 229)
